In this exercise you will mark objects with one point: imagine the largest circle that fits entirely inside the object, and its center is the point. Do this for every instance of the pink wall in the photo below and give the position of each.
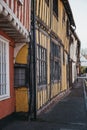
(8, 106)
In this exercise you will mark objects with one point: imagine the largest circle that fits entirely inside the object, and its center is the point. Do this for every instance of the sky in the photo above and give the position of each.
(79, 10)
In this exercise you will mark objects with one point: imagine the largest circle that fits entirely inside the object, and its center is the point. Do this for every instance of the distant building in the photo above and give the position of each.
(74, 56)
(83, 60)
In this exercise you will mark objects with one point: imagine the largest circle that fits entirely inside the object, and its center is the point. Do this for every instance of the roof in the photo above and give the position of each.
(69, 12)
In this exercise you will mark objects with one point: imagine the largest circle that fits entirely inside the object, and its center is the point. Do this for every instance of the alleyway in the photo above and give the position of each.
(67, 114)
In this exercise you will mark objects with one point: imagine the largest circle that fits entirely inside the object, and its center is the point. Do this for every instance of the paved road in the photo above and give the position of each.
(67, 114)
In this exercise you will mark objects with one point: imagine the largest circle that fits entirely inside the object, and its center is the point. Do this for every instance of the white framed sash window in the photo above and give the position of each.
(4, 69)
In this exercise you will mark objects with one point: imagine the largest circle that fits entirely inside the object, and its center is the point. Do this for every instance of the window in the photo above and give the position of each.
(64, 16)
(55, 62)
(4, 69)
(21, 2)
(55, 7)
(47, 1)
(41, 65)
(63, 57)
(20, 75)
(68, 28)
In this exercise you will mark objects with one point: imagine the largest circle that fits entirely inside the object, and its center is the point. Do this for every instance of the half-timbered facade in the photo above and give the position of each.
(53, 21)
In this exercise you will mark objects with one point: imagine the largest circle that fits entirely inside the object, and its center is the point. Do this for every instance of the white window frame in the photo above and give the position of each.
(7, 94)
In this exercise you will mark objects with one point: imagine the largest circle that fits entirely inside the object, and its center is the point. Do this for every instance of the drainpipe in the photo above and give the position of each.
(34, 60)
(51, 18)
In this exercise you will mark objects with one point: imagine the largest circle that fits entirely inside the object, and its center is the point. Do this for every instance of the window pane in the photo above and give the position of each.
(4, 68)
(19, 76)
(55, 7)
(41, 66)
(55, 61)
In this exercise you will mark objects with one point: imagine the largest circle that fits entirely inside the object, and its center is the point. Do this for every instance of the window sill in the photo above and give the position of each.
(40, 87)
(20, 86)
(55, 81)
(4, 98)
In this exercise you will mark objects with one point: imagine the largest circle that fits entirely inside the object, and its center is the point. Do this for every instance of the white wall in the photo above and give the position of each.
(73, 56)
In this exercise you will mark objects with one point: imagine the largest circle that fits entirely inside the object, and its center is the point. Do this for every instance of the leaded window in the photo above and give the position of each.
(4, 68)
(55, 62)
(20, 75)
(41, 65)
(68, 28)
(55, 7)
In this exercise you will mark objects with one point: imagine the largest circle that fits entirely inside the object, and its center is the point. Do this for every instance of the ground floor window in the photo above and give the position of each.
(55, 62)
(4, 68)
(41, 65)
(20, 75)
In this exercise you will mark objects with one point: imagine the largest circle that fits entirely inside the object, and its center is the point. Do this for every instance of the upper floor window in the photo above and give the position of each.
(41, 65)
(64, 16)
(55, 62)
(4, 69)
(47, 1)
(68, 28)
(55, 7)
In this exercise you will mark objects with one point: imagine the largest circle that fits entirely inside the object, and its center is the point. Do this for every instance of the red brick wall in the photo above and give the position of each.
(8, 106)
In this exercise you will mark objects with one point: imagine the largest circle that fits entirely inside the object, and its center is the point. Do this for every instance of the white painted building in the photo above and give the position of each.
(74, 55)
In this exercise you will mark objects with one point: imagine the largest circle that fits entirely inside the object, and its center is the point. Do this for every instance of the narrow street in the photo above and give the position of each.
(67, 114)
(43, 62)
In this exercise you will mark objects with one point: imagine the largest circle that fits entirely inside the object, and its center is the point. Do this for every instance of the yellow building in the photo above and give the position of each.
(53, 21)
